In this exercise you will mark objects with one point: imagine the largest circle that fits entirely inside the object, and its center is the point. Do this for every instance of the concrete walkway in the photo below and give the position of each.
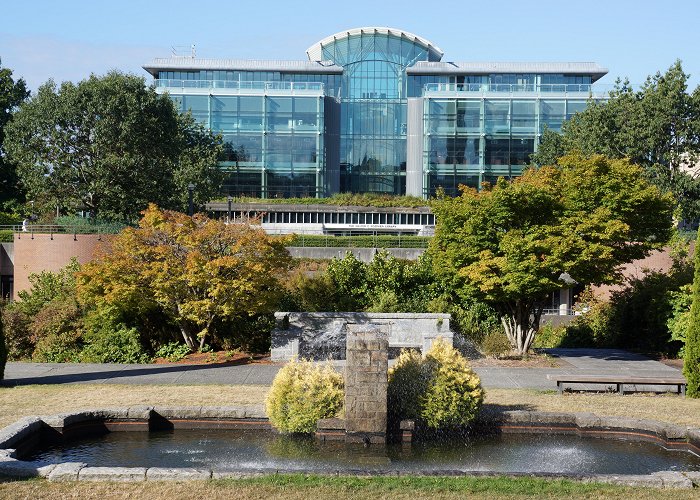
(570, 361)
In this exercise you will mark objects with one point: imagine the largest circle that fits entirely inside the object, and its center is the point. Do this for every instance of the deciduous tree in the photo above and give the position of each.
(12, 94)
(195, 269)
(513, 245)
(656, 127)
(110, 145)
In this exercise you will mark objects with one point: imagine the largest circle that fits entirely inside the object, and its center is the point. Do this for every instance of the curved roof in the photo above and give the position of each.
(316, 50)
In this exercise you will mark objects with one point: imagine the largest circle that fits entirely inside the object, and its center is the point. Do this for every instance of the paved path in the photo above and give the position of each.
(579, 361)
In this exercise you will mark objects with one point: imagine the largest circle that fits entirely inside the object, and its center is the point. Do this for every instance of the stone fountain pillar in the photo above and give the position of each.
(367, 355)
(366, 367)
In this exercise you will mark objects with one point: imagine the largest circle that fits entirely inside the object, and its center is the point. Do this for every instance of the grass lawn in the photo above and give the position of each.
(338, 488)
(17, 402)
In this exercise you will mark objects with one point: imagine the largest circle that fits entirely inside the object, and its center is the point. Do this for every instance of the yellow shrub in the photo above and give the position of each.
(441, 389)
(302, 393)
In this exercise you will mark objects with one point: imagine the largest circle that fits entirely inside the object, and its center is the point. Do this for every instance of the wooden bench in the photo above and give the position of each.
(618, 380)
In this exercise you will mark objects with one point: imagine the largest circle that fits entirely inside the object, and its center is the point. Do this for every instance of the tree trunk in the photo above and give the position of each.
(188, 338)
(521, 321)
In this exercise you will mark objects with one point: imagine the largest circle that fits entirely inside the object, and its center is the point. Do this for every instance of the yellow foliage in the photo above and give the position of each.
(303, 392)
(439, 389)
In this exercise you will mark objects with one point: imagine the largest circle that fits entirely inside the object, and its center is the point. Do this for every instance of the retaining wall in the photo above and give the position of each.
(322, 335)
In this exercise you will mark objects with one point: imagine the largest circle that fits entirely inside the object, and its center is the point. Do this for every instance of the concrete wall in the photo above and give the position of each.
(322, 335)
(363, 254)
(34, 253)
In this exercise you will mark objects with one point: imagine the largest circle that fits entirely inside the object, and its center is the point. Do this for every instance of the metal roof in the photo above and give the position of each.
(195, 64)
(315, 52)
(476, 68)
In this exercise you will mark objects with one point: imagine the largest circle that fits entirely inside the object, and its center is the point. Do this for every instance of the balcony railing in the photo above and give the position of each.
(587, 90)
(238, 85)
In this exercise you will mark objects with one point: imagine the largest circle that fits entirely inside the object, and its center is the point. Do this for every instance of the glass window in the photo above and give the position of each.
(496, 116)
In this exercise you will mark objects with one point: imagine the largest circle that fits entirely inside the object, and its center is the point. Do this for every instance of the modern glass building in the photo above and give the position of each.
(374, 110)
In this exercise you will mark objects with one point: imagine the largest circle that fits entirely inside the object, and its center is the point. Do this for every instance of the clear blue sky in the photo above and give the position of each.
(69, 39)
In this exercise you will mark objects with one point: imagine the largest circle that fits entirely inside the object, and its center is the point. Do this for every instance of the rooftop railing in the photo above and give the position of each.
(238, 85)
(586, 90)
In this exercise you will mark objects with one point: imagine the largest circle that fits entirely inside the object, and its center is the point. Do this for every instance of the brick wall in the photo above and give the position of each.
(34, 253)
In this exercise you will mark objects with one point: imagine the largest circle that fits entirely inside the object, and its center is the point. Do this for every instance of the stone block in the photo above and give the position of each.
(675, 431)
(178, 412)
(648, 481)
(587, 420)
(694, 476)
(255, 411)
(126, 474)
(11, 467)
(407, 425)
(673, 479)
(15, 433)
(331, 424)
(626, 423)
(222, 412)
(184, 474)
(66, 471)
(139, 412)
(693, 436)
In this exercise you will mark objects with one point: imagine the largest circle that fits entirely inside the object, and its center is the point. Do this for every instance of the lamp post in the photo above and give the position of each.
(229, 199)
(190, 188)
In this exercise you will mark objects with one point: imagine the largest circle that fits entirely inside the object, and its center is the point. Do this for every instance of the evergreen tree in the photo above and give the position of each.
(691, 367)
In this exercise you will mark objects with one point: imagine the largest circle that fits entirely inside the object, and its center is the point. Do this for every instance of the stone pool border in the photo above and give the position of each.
(19, 438)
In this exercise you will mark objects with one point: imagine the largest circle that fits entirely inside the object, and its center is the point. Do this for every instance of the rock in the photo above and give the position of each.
(66, 471)
(673, 479)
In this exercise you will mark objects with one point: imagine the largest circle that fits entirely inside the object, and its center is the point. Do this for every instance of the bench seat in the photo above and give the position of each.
(618, 380)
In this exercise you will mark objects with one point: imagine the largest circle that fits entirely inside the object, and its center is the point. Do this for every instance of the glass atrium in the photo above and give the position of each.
(374, 110)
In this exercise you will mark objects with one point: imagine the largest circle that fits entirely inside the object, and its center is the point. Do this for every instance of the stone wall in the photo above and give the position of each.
(322, 335)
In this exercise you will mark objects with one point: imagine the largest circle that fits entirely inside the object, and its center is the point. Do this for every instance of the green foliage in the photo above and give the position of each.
(369, 241)
(510, 245)
(12, 94)
(7, 236)
(302, 393)
(7, 219)
(691, 364)
(346, 199)
(681, 301)
(472, 319)
(110, 145)
(549, 336)
(3, 349)
(439, 390)
(107, 341)
(386, 284)
(18, 341)
(656, 127)
(495, 343)
(173, 351)
(87, 225)
(48, 286)
(62, 347)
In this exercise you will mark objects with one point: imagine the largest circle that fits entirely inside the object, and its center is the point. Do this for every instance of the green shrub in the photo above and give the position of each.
(302, 393)
(7, 219)
(495, 343)
(114, 345)
(18, 340)
(58, 348)
(681, 301)
(7, 236)
(549, 336)
(3, 351)
(439, 390)
(173, 351)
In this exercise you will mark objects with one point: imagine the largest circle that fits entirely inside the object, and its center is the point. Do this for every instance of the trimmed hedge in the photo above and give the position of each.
(7, 236)
(369, 241)
(343, 199)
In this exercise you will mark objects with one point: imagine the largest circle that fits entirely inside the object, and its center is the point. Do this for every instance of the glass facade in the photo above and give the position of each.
(475, 140)
(373, 108)
(340, 122)
(273, 143)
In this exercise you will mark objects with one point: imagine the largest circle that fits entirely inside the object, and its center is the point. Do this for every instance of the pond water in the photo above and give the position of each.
(263, 450)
